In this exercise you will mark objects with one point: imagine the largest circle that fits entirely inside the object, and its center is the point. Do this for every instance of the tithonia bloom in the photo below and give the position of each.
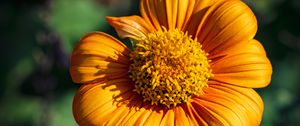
(192, 62)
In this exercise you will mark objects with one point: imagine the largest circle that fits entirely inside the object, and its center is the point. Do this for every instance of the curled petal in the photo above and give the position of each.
(133, 27)
(99, 56)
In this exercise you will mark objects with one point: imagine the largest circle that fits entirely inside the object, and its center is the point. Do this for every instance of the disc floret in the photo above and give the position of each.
(169, 67)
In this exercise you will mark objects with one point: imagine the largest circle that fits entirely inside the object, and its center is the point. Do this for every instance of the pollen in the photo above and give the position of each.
(169, 67)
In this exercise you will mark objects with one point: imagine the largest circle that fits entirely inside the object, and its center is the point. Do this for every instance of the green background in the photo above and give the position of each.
(37, 37)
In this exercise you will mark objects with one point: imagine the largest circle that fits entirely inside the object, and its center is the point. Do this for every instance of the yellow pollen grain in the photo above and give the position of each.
(169, 67)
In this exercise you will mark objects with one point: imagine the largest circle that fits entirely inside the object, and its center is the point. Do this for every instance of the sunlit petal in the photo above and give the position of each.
(99, 56)
(229, 105)
(94, 102)
(245, 66)
(226, 24)
(170, 14)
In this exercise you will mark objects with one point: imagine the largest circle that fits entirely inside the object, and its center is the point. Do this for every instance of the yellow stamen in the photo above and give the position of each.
(169, 67)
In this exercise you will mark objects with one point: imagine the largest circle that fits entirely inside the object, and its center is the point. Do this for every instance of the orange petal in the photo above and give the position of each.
(99, 56)
(168, 119)
(194, 117)
(94, 103)
(137, 114)
(252, 46)
(185, 9)
(246, 66)
(139, 119)
(149, 115)
(133, 27)
(155, 117)
(181, 118)
(199, 9)
(206, 117)
(167, 13)
(135, 108)
(229, 105)
(225, 24)
(148, 12)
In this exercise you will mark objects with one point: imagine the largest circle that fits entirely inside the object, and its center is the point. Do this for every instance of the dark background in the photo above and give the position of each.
(37, 36)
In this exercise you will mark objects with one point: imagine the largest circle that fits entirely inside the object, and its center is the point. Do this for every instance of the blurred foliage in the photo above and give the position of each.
(73, 18)
(37, 38)
(279, 33)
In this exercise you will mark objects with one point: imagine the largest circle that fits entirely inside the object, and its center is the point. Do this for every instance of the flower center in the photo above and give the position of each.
(169, 67)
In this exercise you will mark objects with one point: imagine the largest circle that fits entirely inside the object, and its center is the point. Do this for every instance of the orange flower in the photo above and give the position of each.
(193, 62)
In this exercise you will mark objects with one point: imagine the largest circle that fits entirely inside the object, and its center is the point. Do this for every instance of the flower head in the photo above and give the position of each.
(193, 62)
